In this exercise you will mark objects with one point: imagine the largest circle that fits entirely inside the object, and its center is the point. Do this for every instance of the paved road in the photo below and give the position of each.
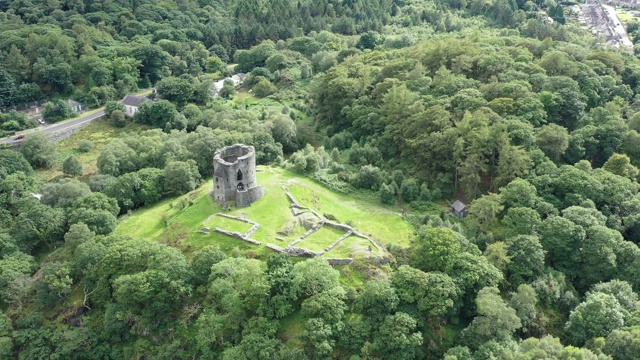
(53, 128)
(618, 27)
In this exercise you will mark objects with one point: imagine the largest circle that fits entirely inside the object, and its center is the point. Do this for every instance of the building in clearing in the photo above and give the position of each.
(237, 79)
(132, 104)
(75, 106)
(459, 209)
(234, 175)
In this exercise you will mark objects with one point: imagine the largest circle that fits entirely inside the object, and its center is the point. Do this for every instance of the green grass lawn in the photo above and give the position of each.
(320, 239)
(175, 221)
(353, 246)
(245, 97)
(624, 16)
(100, 133)
(382, 224)
(228, 224)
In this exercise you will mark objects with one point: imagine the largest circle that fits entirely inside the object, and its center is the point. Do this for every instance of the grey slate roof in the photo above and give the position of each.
(72, 103)
(132, 100)
(458, 206)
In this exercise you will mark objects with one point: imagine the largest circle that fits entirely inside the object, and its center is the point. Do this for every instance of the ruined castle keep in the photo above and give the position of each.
(234, 175)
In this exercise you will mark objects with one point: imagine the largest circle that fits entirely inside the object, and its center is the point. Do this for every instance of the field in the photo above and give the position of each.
(228, 224)
(320, 239)
(175, 221)
(353, 246)
(100, 133)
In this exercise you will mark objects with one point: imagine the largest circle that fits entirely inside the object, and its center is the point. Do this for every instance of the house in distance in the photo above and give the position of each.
(75, 106)
(132, 104)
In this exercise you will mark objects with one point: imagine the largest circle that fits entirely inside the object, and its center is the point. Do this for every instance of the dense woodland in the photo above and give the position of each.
(412, 103)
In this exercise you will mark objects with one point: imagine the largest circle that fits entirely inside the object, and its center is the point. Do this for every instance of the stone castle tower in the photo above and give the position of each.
(234, 175)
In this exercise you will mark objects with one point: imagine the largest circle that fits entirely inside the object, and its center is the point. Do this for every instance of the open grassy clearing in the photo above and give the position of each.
(624, 16)
(290, 328)
(320, 239)
(383, 224)
(175, 221)
(352, 247)
(100, 133)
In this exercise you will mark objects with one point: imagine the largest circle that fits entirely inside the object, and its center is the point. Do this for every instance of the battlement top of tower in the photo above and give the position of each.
(229, 155)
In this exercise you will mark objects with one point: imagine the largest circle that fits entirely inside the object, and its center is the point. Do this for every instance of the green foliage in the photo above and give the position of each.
(409, 190)
(12, 162)
(98, 220)
(178, 90)
(598, 315)
(496, 117)
(527, 258)
(521, 220)
(149, 294)
(264, 88)
(64, 192)
(54, 284)
(621, 290)
(202, 262)
(39, 150)
(620, 164)
(495, 320)
(396, 338)
(71, 166)
(39, 225)
(312, 277)
(387, 194)
(623, 344)
(162, 114)
(78, 234)
(15, 268)
(524, 302)
(484, 210)
(112, 106)
(436, 249)
(378, 300)
(54, 112)
(117, 118)
(85, 146)
(433, 293)
(284, 131)
(15, 121)
(181, 177)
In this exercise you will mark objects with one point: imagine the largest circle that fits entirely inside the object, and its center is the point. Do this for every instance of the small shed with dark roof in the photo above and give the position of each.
(132, 104)
(459, 209)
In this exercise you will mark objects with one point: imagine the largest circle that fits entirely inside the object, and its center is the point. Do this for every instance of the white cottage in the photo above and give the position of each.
(132, 103)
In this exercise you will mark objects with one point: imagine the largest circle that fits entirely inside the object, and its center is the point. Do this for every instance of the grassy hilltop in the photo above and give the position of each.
(175, 221)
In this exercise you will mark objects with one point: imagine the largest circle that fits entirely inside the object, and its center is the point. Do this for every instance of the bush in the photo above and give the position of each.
(370, 177)
(39, 150)
(85, 146)
(54, 112)
(118, 119)
(72, 167)
(409, 190)
(264, 88)
(387, 195)
(333, 182)
(111, 106)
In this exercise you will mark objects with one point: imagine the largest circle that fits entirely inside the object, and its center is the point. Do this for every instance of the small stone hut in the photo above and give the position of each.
(234, 175)
(459, 209)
